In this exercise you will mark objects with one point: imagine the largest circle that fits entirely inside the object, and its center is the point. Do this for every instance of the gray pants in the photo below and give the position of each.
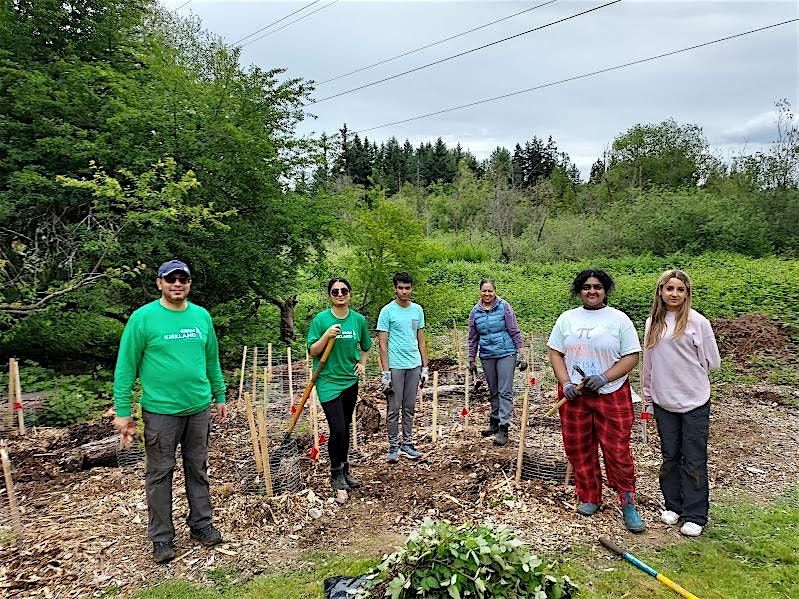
(162, 433)
(499, 375)
(404, 383)
(683, 474)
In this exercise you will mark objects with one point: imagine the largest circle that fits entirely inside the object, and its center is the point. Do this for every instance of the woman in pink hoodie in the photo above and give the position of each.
(679, 352)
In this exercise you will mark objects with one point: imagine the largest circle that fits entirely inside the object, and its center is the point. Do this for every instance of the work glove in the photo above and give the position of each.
(385, 380)
(521, 361)
(595, 382)
(473, 368)
(570, 391)
(425, 376)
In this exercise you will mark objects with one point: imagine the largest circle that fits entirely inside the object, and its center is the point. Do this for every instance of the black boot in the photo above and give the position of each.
(337, 480)
(353, 483)
(493, 427)
(501, 438)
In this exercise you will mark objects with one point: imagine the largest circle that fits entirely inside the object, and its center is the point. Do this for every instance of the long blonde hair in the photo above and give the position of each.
(657, 324)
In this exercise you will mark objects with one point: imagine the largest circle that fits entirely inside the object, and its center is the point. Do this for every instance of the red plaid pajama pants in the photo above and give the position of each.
(590, 421)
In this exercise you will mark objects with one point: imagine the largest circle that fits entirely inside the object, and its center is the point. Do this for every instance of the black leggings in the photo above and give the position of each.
(338, 412)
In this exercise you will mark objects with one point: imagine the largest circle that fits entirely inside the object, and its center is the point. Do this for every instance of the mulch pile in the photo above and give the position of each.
(750, 334)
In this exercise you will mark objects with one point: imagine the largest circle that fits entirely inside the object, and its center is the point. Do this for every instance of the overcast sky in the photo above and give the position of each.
(729, 89)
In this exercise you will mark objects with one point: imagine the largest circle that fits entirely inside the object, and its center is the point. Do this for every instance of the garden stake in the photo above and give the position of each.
(11, 387)
(13, 508)
(253, 433)
(315, 421)
(435, 406)
(243, 368)
(291, 376)
(264, 437)
(254, 389)
(523, 431)
(466, 403)
(642, 566)
(305, 394)
(18, 402)
(568, 475)
(269, 357)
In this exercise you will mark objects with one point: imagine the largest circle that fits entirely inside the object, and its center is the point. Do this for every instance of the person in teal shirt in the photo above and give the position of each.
(337, 384)
(400, 335)
(171, 346)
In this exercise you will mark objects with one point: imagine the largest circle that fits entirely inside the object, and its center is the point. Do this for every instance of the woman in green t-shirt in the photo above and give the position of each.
(337, 385)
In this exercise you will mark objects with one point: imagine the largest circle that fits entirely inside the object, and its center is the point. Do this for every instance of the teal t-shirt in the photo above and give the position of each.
(175, 355)
(339, 371)
(402, 326)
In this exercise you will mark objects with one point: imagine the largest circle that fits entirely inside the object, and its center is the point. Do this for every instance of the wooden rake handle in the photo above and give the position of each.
(305, 394)
(557, 406)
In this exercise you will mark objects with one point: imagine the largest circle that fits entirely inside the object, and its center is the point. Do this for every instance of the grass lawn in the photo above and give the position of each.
(748, 551)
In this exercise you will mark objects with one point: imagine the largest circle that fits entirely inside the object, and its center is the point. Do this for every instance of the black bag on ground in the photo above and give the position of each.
(343, 587)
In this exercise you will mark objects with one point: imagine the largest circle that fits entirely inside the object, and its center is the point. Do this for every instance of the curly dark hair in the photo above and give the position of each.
(583, 276)
(402, 277)
(335, 280)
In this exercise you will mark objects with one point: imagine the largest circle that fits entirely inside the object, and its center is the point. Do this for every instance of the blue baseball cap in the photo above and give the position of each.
(172, 266)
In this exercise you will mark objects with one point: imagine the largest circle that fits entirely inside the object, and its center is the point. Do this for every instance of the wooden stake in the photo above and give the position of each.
(254, 386)
(291, 376)
(523, 431)
(256, 451)
(269, 358)
(315, 418)
(568, 475)
(466, 403)
(435, 406)
(11, 388)
(18, 399)
(13, 508)
(243, 368)
(264, 450)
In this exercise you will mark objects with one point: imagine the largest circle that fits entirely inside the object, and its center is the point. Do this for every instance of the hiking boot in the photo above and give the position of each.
(691, 529)
(208, 535)
(392, 457)
(587, 509)
(409, 451)
(493, 428)
(669, 517)
(632, 520)
(337, 480)
(353, 483)
(501, 438)
(163, 552)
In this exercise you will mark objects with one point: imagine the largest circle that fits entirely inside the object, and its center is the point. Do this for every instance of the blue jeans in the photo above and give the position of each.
(499, 375)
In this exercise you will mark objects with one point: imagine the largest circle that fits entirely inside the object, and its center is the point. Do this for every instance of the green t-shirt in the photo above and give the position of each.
(339, 371)
(176, 357)
(402, 325)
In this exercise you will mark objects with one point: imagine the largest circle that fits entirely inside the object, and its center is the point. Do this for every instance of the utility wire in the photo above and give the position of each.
(265, 27)
(181, 6)
(494, 43)
(430, 45)
(305, 16)
(583, 76)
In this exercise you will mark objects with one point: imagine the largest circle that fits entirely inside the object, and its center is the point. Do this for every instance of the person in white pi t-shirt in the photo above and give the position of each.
(679, 351)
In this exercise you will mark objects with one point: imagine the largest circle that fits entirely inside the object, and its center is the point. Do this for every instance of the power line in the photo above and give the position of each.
(182, 5)
(576, 77)
(265, 27)
(430, 45)
(305, 16)
(494, 43)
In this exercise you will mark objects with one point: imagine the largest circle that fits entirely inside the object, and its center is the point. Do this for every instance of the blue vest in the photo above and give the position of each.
(494, 339)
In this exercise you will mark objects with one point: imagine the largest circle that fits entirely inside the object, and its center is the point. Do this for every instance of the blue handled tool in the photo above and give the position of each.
(642, 566)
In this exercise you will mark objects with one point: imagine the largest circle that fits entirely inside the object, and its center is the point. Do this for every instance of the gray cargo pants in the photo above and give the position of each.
(162, 433)
(405, 384)
(499, 375)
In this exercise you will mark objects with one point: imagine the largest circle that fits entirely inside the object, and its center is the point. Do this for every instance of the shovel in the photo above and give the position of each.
(305, 394)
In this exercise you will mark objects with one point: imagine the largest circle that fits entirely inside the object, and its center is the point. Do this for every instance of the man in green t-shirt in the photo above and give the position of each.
(171, 346)
(400, 335)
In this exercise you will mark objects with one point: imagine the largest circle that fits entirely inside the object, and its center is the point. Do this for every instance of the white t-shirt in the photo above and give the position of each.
(594, 340)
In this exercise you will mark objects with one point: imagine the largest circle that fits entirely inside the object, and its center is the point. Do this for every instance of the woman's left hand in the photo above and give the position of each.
(360, 369)
(595, 382)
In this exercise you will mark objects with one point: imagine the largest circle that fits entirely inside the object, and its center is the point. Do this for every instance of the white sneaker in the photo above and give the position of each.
(669, 517)
(691, 529)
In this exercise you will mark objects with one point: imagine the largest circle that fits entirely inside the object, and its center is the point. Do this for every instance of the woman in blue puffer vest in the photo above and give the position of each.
(494, 330)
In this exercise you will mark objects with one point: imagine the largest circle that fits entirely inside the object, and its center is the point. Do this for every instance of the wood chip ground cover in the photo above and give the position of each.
(85, 531)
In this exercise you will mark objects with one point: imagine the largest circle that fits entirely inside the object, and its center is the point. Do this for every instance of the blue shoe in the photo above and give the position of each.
(632, 520)
(409, 451)
(392, 457)
(587, 509)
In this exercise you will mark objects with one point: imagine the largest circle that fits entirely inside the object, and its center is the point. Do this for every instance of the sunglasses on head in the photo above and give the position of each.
(595, 286)
(172, 278)
(336, 291)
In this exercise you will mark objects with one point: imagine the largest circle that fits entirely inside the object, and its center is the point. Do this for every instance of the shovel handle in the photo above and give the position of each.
(309, 386)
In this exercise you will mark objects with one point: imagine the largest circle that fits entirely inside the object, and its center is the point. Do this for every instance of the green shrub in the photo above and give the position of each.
(441, 560)
(75, 399)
